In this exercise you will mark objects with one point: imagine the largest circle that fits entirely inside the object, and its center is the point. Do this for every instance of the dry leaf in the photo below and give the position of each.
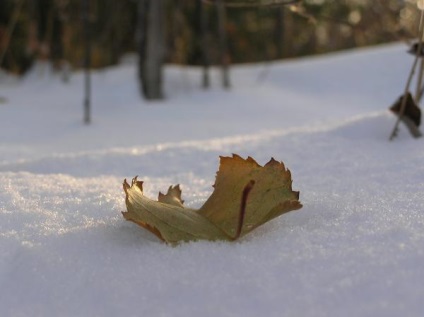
(245, 196)
(410, 115)
(411, 111)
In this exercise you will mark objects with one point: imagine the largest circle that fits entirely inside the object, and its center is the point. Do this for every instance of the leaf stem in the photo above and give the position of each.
(242, 214)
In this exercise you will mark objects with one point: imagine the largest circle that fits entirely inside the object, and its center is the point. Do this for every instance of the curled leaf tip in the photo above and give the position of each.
(137, 183)
(126, 186)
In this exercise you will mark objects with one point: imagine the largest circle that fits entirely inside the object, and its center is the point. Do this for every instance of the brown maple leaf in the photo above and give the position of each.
(245, 196)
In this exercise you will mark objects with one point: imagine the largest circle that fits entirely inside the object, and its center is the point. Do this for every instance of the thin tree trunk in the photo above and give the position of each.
(201, 19)
(279, 34)
(11, 28)
(288, 33)
(151, 47)
(87, 62)
(223, 44)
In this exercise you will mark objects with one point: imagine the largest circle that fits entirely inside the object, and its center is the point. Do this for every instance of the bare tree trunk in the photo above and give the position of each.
(288, 33)
(10, 29)
(225, 60)
(151, 47)
(201, 33)
(279, 34)
(87, 62)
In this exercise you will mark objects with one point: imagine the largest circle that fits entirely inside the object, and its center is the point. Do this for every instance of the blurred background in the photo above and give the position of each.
(98, 33)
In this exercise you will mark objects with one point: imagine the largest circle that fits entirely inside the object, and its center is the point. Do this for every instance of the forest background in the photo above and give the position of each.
(54, 30)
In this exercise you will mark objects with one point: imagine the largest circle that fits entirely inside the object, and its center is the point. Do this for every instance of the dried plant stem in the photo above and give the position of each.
(418, 93)
(411, 75)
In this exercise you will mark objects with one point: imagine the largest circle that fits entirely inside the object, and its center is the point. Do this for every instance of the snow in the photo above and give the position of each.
(356, 248)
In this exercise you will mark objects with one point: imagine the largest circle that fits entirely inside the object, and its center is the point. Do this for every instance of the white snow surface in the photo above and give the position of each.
(356, 248)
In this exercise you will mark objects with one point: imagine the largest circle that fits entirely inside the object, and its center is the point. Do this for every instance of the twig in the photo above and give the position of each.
(418, 92)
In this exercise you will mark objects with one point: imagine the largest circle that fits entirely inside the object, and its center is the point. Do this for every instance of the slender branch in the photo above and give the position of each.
(420, 85)
(420, 95)
(418, 92)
